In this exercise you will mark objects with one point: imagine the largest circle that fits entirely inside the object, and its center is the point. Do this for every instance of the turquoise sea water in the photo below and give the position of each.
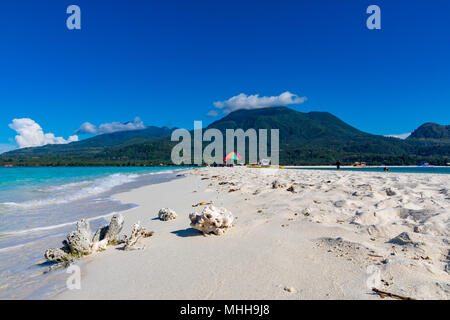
(40, 206)
(439, 170)
(19, 185)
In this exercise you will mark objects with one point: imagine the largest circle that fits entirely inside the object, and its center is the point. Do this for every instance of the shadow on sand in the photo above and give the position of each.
(189, 232)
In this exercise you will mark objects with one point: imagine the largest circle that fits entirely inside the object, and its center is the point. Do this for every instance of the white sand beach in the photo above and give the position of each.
(329, 237)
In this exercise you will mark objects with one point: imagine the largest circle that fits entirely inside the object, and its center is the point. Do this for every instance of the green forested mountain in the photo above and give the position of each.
(431, 131)
(315, 138)
(98, 150)
(321, 138)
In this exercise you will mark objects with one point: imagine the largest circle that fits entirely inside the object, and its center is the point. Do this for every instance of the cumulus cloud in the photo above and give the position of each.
(212, 113)
(243, 101)
(402, 136)
(30, 134)
(89, 128)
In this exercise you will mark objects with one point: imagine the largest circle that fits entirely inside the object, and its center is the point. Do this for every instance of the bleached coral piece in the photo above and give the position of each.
(138, 232)
(276, 184)
(212, 220)
(57, 255)
(99, 245)
(166, 214)
(81, 242)
(114, 229)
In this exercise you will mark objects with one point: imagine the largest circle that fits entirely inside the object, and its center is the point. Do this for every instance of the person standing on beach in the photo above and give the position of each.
(338, 164)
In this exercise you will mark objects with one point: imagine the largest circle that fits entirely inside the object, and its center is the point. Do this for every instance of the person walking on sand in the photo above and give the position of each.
(338, 165)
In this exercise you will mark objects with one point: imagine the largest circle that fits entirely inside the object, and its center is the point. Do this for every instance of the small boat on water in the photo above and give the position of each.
(425, 165)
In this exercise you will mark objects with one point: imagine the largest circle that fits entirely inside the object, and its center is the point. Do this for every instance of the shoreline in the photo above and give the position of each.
(23, 247)
(190, 166)
(274, 245)
(368, 167)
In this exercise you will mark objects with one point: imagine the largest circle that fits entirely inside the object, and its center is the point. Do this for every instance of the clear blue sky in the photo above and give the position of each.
(168, 61)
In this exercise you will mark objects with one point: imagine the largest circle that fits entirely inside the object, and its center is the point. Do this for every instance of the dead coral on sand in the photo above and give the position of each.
(166, 214)
(81, 242)
(212, 220)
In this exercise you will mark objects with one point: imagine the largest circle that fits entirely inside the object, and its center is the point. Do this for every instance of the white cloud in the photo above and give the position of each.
(212, 113)
(402, 136)
(243, 101)
(89, 128)
(30, 134)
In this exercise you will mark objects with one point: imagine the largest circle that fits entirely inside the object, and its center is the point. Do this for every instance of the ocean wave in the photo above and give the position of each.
(67, 186)
(21, 245)
(75, 191)
(56, 226)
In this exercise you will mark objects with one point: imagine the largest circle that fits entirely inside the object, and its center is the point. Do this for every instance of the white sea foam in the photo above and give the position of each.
(76, 191)
(67, 186)
(56, 226)
(21, 245)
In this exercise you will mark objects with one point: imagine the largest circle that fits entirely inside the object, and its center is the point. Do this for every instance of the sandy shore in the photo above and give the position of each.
(333, 236)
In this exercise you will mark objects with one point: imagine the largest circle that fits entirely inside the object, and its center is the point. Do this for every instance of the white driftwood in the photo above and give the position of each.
(212, 220)
(166, 214)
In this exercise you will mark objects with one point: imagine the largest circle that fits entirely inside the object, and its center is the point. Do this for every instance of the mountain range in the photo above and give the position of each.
(314, 138)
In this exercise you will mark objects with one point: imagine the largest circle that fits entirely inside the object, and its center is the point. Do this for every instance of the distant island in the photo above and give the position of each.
(314, 138)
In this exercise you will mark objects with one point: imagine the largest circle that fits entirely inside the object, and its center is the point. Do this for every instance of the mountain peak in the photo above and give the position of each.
(431, 131)
(295, 127)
